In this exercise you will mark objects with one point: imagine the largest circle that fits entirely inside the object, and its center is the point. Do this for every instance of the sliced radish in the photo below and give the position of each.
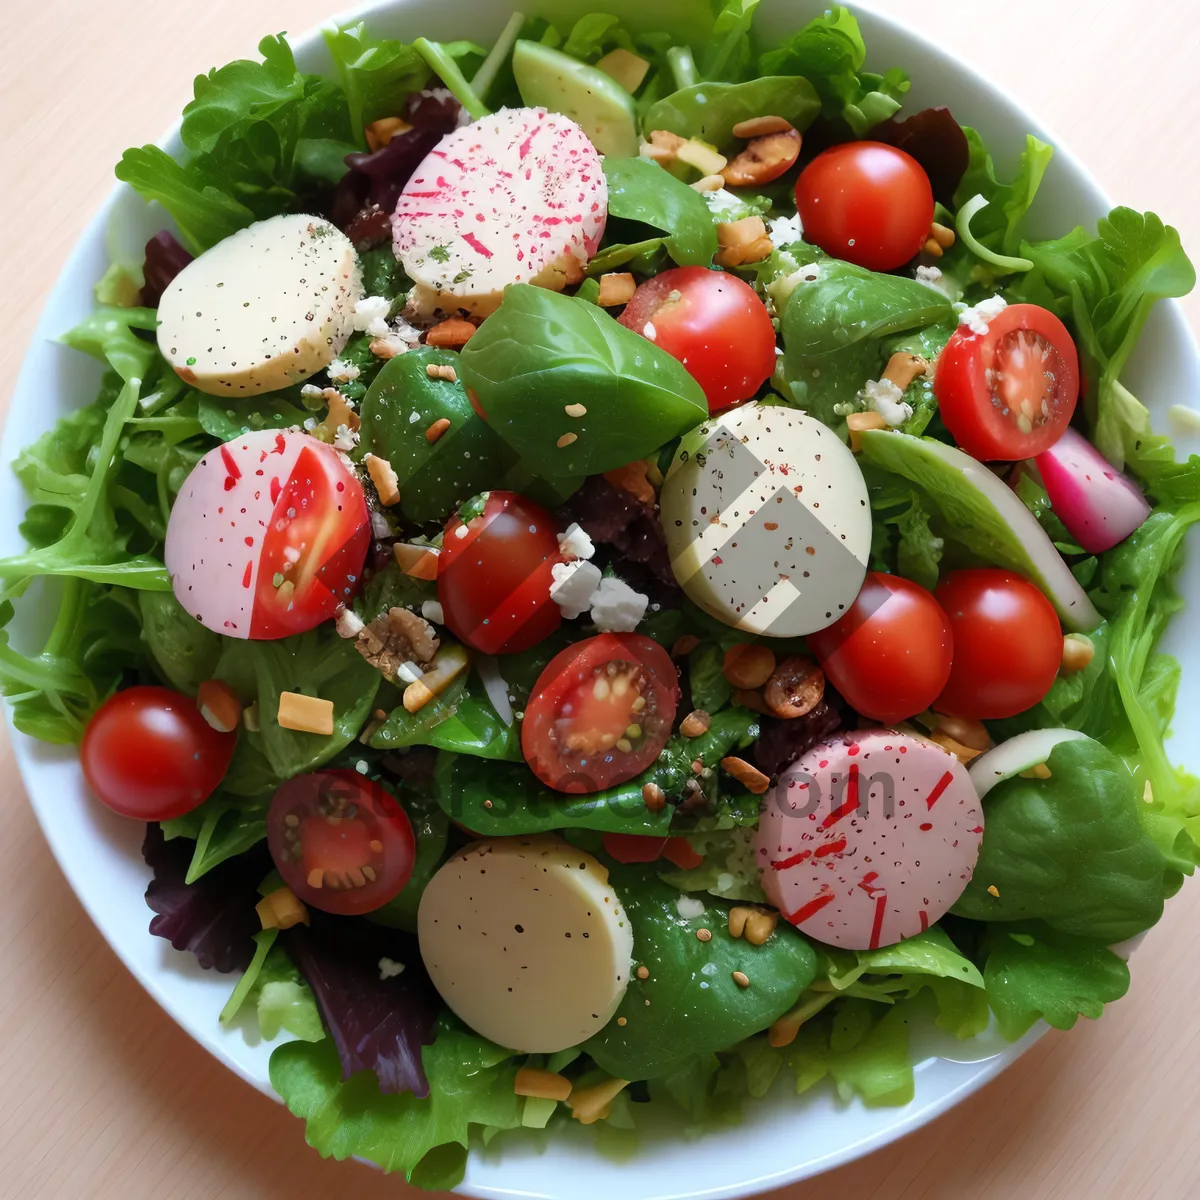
(1020, 753)
(268, 535)
(1099, 506)
(518, 197)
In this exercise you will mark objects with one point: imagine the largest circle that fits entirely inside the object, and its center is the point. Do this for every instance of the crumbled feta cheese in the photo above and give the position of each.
(461, 531)
(575, 543)
(389, 968)
(370, 316)
(343, 372)
(785, 230)
(616, 607)
(887, 400)
(431, 610)
(722, 203)
(976, 319)
(781, 289)
(345, 438)
(689, 907)
(649, 332)
(348, 623)
(929, 274)
(724, 882)
(379, 525)
(362, 766)
(574, 585)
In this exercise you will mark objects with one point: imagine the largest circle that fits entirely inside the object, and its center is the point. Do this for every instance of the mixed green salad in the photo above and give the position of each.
(616, 576)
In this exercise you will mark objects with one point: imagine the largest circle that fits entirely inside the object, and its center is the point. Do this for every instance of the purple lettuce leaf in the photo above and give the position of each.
(936, 140)
(214, 917)
(377, 1025)
(165, 258)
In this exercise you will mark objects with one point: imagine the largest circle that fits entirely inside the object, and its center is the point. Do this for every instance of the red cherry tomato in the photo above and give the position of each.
(715, 324)
(1007, 644)
(341, 841)
(494, 573)
(1010, 393)
(148, 753)
(644, 848)
(866, 202)
(890, 655)
(600, 713)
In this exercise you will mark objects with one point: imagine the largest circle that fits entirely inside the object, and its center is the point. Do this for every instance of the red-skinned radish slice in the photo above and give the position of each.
(869, 838)
(267, 536)
(1099, 506)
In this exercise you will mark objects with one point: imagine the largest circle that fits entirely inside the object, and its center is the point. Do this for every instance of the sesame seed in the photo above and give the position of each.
(487, 804)
(575, 410)
(643, 972)
(566, 439)
(993, 890)
(622, 1021)
(436, 430)
(741, 979)
(704, 935)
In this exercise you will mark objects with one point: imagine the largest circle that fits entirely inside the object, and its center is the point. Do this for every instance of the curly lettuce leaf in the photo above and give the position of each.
(376, 74)
(470, 1087)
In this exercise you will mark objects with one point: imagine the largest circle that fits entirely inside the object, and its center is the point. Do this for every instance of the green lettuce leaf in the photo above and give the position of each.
(376, 74)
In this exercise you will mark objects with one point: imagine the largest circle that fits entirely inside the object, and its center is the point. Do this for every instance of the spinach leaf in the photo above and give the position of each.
(432, 828)
(640, 190)
(539, 350)
(315, 664)
(904, 542)
(830, 53)
(460, 722)
(224, 826)
(392, 588)
(711, 110)
(400, 406)
(280, 410)
(710, 688)
(1036, 973)
(183, 650)
(1070, 850)
(727, 53)
(644, 258)
(695, 1006)
(833, 329)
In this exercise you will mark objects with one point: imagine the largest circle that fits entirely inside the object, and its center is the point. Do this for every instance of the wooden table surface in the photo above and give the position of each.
(93, 1098)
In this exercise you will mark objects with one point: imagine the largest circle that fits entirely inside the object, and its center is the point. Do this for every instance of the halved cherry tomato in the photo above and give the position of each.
(600, 713)
(715, 324)
(867, 203)
(341, 841)
(890, 655)
(494, 573)
(1007, 644)
(1010, 393)
(644, 848)
(148, 753)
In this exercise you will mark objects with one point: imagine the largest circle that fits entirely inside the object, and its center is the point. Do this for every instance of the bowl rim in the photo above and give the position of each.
(28, 751)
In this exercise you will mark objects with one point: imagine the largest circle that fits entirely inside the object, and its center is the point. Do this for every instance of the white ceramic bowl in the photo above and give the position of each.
(785, 1138)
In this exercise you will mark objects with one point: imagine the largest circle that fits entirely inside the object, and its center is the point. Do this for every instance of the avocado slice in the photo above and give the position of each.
(599, 105)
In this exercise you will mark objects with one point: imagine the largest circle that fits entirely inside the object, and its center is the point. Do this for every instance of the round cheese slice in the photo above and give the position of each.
(517, 197)
(526, 942)
(869, 838)
(766, 518)
(266, 308)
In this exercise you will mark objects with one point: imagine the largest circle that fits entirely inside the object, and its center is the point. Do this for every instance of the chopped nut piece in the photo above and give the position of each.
(932, 248)
(616, 288)
(632, 478)
(695, 723)
(422, 642)
(658, 154)
(964, 754)
(453, 333)
(743, 241)
(449, 663)
(755, 924)
(341, 419)
(795, 688)
(750, 777)
(993, 890)
(1078, 652)
(709, 183)
(857, 422)
(589, 1105)
(401, 636)
(965, 731)
(684, 645)
(442, 371)
(386, 347)
(421, 562)
(384, 478)
(1041, 771)
(308, 714)
(627, 68)
(760, 127)
(436, 430)
(944, 237)
(741, 979)
(765, 159)
(281, 909)
(545, 1085)
(380, 133)
(752, 699)
(654, 797)
(748, 664)
(903, 368)
(218, 705)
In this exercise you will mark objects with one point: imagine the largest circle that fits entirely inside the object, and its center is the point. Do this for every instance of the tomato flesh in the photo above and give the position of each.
(867, 203)
(890, 655)
(341, 841)
(644, 848)
(600, 713)
(1010, 393)
(714, 323)
(1007, 644)
(148, 753)
(494, 573)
